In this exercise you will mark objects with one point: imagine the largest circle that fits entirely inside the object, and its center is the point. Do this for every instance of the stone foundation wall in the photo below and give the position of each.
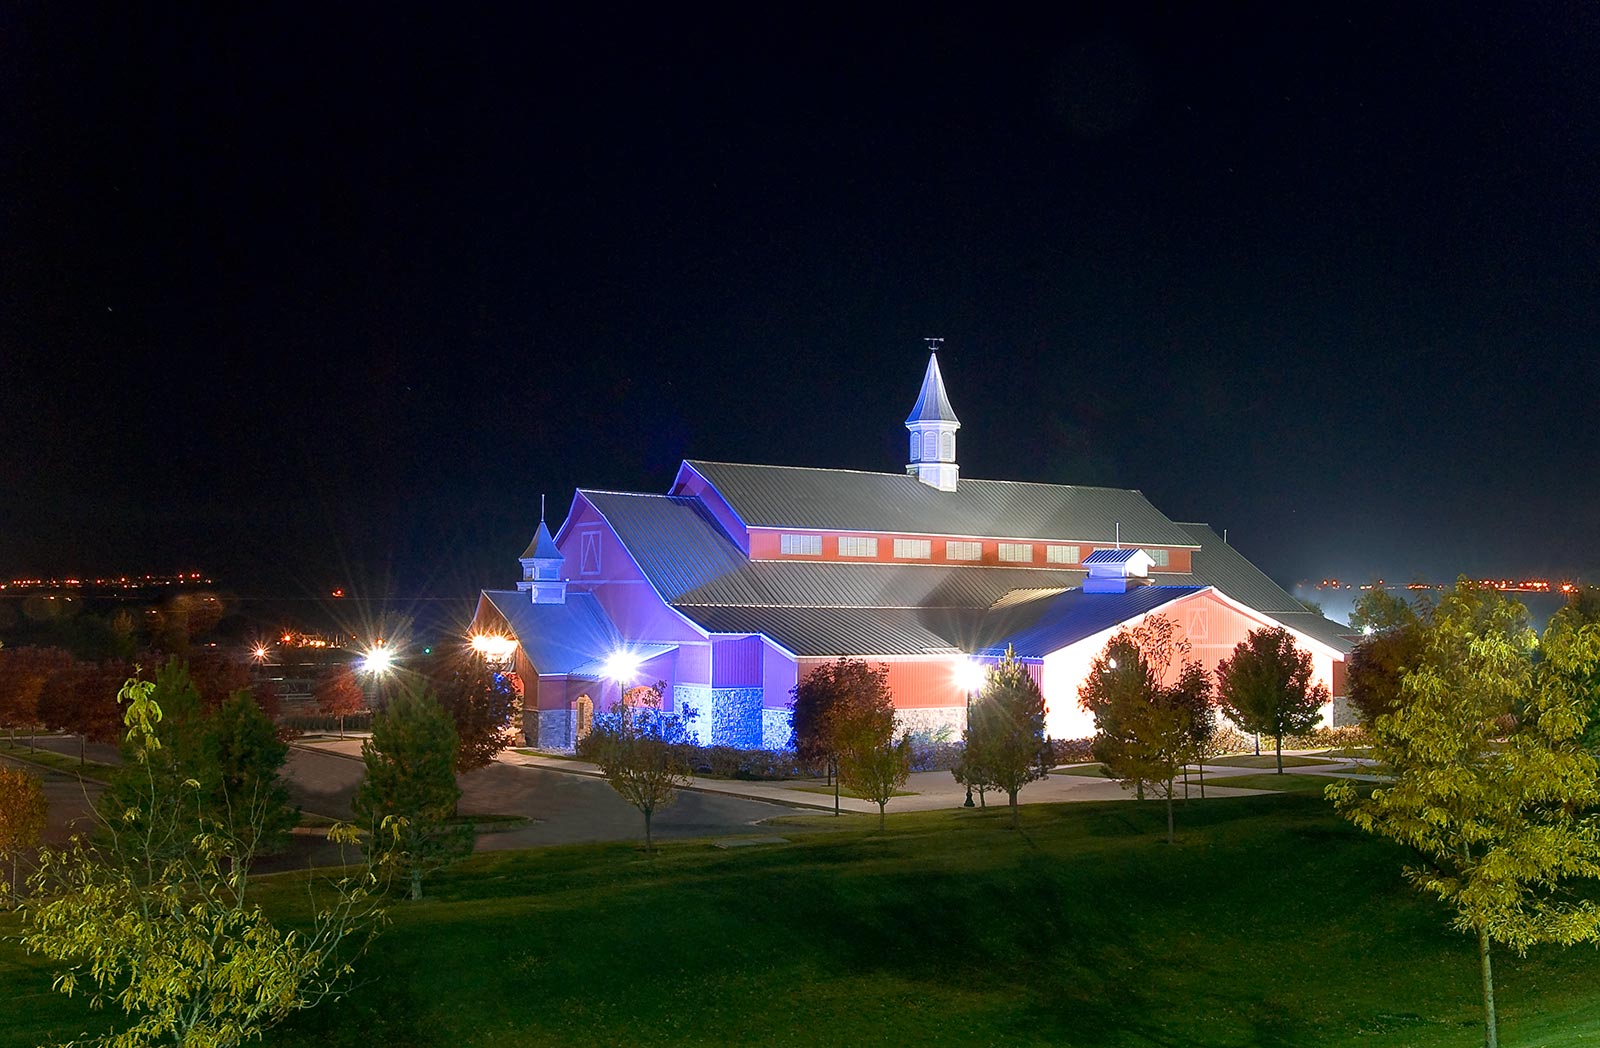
(776, 729)
(696, 697)
(736, 717)
(551, 729)
(932, 719)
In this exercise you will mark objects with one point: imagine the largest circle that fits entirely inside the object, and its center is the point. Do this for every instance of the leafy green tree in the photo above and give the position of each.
(1564, 637)
(970, 771)
(483, 705)
(156, 917)
(22, 818)
(1380, 610)
(825, 701)
(410, 792)
(641, 752)
(1265, 686)
(1492, 786)
(1006, 732)
(1377, 666)
(1147, 731)
(871, 763)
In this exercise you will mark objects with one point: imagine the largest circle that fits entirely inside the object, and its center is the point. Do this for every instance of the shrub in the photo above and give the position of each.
(1071, 751)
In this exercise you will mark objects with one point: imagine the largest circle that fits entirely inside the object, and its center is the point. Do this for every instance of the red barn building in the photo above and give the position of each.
(739, 579)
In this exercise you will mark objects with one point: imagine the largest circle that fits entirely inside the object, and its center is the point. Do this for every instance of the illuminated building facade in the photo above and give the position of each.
(739, 579)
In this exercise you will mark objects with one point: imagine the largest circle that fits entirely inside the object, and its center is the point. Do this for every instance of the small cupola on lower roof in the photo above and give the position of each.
(541, 566)
(1116, 570)
(933, 426)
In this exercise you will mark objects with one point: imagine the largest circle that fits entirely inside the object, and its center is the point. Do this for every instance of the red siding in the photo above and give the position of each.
(766, 544)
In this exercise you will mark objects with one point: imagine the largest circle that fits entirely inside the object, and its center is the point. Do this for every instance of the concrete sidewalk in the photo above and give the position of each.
(928, 790)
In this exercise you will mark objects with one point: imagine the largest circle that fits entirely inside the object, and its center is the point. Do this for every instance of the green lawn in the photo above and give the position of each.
(58, 761)
(1267, 760)
(1271, 923)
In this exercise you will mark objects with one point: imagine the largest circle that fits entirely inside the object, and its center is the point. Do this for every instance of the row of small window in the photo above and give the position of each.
(922, 549)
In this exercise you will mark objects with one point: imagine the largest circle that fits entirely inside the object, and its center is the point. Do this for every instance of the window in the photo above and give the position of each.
(546, 571)
(1061, 554)
(947, 447)
(1158, 557)
(800, 545)
(930, 447)
(916, 447)
(963, 551)
(857, 546)
(1016, 552)
(913, 549)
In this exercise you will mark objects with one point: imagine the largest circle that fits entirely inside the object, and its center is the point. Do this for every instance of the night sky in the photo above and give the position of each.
(308, 296)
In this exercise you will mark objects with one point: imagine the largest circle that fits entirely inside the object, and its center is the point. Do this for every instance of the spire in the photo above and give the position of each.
(933, 426)
(933, 405)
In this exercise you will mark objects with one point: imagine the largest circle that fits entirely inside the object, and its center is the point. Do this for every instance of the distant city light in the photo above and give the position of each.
(259, 653)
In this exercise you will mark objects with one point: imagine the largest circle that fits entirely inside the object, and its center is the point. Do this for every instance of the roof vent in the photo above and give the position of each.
(1116, 570)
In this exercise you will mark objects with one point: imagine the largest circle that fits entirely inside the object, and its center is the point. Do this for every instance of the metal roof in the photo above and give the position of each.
(932, 405)
(1224, 567)
(1112, 556)
(557, 638)
(1036, 628)
(845, 500)
(840, 631)
(675, 541)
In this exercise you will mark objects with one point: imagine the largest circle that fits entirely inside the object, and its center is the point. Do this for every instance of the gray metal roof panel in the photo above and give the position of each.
(1036, 628)
(557, 638)
(676, 542)
(839, 631)
(542, 547)
(1112, 556)
(845, 500)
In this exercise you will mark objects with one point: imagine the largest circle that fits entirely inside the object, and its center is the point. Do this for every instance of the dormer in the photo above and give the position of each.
(933, 424)
(541, 568)
(1116, 570)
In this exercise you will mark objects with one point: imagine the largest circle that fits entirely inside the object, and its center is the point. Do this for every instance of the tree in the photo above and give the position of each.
(24, 674)
(409, 794)
(244, 759)
(1006, 730)
(22, 817)
(871, 763)
(82, 701)
(1147, 731)
(1266, 687)
(1491, 783)
(156, 916)
(483, 704)
(823, 702)
(339, 694)
(640, 751)
(1380, 610)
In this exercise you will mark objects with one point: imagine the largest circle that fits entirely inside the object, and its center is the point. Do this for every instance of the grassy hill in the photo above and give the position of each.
(1271, 923)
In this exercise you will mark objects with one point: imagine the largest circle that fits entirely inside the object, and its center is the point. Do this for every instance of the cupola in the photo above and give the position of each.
(933, 426)
(541, 566)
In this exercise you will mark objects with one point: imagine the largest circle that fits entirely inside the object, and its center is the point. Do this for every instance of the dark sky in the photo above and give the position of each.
(305, 296)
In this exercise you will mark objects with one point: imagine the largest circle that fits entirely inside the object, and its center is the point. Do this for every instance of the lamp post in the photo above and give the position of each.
(621, 666)
(970, 676)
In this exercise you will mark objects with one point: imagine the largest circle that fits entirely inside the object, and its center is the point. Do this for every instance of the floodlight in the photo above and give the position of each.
(970, 675)
(378, 660)
(621, 666)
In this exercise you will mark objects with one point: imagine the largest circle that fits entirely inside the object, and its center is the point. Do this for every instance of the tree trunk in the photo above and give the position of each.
(416, 882)
(1013, 795)
(1202, 765)
(1279, 740)
(1138, 790)
(983, 799)
(880, 815)
(1491, 1035)
(341, 725)
(83, 744)
(649, 842)
(833, 773)
(1169, 811)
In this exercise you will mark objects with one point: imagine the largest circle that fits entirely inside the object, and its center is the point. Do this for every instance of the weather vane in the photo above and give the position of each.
(933, 344)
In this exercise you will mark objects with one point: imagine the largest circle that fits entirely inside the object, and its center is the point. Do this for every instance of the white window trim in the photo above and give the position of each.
(975, 547)
(902, 546)
(1009, 551)
(867, 543)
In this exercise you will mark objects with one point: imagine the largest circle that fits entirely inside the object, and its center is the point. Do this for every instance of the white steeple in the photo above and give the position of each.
(541, 566)
(933, 426)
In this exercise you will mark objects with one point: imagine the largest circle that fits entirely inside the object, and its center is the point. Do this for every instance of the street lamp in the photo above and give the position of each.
(621, 666)
(970, 676)
(378, 660)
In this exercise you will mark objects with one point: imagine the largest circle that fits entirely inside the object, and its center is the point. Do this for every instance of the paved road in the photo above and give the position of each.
(69, 800)
(562, 808)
